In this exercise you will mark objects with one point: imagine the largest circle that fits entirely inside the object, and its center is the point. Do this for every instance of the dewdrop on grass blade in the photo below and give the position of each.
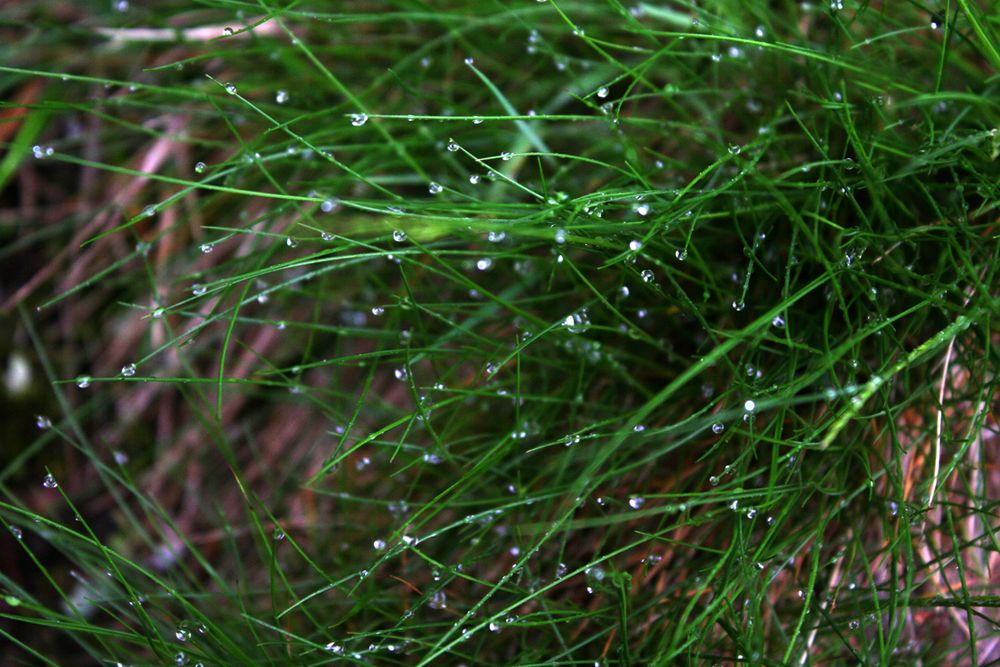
(359, 119)
(50, 482)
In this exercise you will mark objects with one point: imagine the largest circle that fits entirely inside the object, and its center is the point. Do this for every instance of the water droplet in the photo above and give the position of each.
(642, 209)
(718, 427)
(379, 545)
(716, 57)
(206, 248)
(291, 242)
(484, 264)
(43, 422)
(778, 322)
(738, 306)
(400, 374)
(16, 532)
(334, 648)
(647, 276)
(749, 405)
(494, 626)
(227, 31)
(199, 167)
(128, 370)
(439, 600)
(359, 119)
(49, 482)
(120, 457)
(83, 381)
(474, 179)
(469, 60)
(759, 32)
(713, 480)
(602, 92)
(496, 237)
(281, 96)
(182, 634)
(560, 236)
(635, 502)
(398, 235)
(121, 6)
(634, 245)
(681, 255)
(231, 88)
(180, 658)
(452, 146)
(506, 156)
(854, 624)
(734, 149)
(435, 188)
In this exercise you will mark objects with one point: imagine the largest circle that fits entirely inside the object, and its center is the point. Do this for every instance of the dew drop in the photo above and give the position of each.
(560, 236)
(713, 480)
(635, 502)
(452, 147)
(469, 60)
(681, 255)
(227, 31)
(738, 306)
(647, 276)
(749, 405)
(231, 88)
(128, 370)
(642, 209)
(49, 482)
(435, 188)
(718, 427)
(43, 422)
(16, 532)
(377, 311)
(281, 96)
(83, 381)
(506, 156)
(474, 179)
(359, 119)
(206, 248)
(484, 264)
(379, 545)
(602, 92)
(634, 245)
(398, 235)
(778, 322)
(199, 167)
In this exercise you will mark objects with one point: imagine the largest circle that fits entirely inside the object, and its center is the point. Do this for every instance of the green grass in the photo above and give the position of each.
(534, 333)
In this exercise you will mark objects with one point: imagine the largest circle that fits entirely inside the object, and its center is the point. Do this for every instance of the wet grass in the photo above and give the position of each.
(522, 333)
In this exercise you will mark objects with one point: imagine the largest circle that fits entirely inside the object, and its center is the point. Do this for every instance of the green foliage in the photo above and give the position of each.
(502, 332)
